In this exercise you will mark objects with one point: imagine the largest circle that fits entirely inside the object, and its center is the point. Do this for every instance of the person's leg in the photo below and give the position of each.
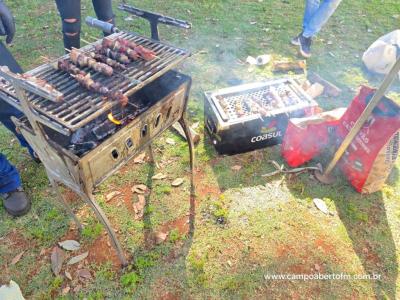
(104, 12)
(70, 13)
(310, 9)
(14, 199)
(320, 17)
(6, 110)
(6, 59)
(9, 177)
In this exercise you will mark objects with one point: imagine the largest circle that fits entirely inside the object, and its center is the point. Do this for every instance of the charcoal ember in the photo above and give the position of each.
(103, 130)
(81, 135)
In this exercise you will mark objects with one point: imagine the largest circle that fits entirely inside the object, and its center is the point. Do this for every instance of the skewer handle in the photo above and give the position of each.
(104, 26)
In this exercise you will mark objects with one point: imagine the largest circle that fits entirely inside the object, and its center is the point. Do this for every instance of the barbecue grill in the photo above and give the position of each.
(253, 116)
(76, 141)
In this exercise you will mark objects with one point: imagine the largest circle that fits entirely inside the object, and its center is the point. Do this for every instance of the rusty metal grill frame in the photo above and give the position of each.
(80, 106)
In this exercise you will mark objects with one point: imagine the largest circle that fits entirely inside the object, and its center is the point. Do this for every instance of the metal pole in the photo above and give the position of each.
(364, 117)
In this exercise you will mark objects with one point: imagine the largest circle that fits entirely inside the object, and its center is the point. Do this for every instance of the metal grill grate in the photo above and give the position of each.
(80, 106)
(272, 97)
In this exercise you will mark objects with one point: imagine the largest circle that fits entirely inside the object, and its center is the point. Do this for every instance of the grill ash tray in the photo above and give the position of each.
(253, 116)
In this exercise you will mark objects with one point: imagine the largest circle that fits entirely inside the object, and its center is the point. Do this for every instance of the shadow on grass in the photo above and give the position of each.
(366, 223)
(251, 166)
(155, 254)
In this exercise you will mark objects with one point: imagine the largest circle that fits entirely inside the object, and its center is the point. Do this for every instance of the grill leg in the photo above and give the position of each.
(106, 223)
(64, 203)
(189, 139)
(151, 153)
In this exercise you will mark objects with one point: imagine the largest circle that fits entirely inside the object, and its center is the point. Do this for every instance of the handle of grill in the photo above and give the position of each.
(103, 26)
(154, 19)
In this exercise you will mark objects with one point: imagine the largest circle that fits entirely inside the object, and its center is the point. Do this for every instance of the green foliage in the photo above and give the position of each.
(174, 235)
(162, 189)
(92, 231)
(146, 261)
(197, 264)
(130, 281)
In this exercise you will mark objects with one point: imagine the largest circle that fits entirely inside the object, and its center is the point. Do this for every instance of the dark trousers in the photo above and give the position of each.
(71, 9)
(9, 177)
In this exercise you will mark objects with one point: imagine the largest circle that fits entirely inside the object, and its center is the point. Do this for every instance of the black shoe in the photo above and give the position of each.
(305, 46)
(296, 40)
(16, 202)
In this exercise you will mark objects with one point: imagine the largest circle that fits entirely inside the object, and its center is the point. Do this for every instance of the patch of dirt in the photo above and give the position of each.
(128, 198)
(70, 196)
(101, 251)
(182, 224)
(16, 240)
(170, 296)
(325, 246)
(203, 190)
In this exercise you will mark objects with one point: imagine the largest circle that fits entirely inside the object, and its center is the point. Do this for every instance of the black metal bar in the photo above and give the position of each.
(154, 19)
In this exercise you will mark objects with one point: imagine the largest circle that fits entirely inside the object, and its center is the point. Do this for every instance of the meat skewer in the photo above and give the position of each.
(145, 53)
(85, 80)
(131, 49)
(43, 84)
(35, 82)
(83, 60)
(109, 61)
(118, 47)
(120, 57)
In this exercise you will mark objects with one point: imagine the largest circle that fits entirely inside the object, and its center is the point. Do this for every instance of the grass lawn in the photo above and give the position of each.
(271, 225)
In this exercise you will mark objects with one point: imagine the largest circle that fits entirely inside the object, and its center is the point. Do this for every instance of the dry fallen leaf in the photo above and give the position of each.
(160, 237)
(236, 168)
(139, 207)
(195, 125)
(17, 258)
(139, 189)
(57, 259)
(78, 258)
(68, 275)
(84, 274)
(65, 290)
(170, 141)
(159, 176)
(177, 182)
(77, 288)
(70, 245)
(140, 158)
(112, 195)
(320, 204)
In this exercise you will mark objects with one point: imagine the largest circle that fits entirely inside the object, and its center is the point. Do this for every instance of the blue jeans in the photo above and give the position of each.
(9, 177)
(316, 14)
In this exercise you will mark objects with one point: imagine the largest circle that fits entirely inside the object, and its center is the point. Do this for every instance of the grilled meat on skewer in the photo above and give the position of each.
(120, 97)
(68, 67)
(94, 86)
(82, 77)
(83, 60)
(87, 82)
(43, 84)
(109, 61)
(257, 108)
(120, 57)
(127, 43)
(145, 53)
(129, 48)
(118, 47)
(239, 109)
